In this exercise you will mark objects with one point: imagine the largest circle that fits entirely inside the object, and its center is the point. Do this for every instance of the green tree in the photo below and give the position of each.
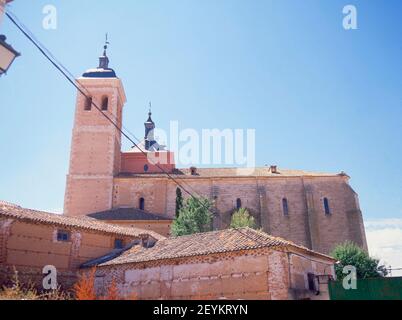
(241, 219)
(349, 254)
(194, 217)
(179, 201)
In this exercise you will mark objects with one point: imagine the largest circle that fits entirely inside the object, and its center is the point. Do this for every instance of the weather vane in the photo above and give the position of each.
(106, 43)
(106, 39)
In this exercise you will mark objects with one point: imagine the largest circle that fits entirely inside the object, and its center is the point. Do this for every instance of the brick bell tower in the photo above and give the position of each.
(96, 144)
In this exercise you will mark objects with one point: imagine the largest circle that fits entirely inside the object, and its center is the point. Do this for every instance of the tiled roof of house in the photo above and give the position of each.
(9, 204)
(206, 243)
(236, 172)
(16, 212)
(127, 214)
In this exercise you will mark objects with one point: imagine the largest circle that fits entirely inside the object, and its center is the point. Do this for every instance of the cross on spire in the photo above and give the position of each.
(104, 60)
(106, 44)
(150, 114)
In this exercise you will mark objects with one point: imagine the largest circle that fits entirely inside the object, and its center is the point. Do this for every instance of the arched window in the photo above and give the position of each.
(326, 206)
(238, 203)
(88, 104)
(142, 204)
(285, 206)
(105, 103)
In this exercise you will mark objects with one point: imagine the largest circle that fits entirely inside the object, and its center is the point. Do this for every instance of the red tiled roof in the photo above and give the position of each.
(206, 243)
(16, 212)
(235, 172)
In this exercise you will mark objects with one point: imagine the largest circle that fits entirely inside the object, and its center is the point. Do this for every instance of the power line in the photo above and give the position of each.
(70, 78)
(68, 75)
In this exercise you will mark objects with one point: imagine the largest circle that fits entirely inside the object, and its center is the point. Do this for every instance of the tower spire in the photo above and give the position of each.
(150, 112)
(149, 130)
(103, 70)
(104, 60)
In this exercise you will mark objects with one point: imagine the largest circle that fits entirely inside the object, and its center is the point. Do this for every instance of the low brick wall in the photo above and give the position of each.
(264, 274)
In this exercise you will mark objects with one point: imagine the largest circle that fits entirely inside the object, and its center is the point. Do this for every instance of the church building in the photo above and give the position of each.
(312, 209)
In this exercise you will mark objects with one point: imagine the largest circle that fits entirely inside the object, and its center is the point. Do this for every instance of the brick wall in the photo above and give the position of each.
(128, 193)
(95, 149)
(306, 224)
(159, 226)
(300, 266)
(29, 247)
(252, 274)
(134, 162)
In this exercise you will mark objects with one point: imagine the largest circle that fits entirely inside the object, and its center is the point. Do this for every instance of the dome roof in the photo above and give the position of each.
(100, 73)
(103, 70)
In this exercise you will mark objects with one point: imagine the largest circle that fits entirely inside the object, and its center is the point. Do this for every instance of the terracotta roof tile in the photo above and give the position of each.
(206, 243)
(235, 172)
(17, 212)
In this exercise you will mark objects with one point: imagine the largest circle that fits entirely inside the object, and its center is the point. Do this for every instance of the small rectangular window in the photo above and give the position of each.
(118, 244)
(105, 103)
(63, 236)
(285, 206)
(326, 206)
(88, 104)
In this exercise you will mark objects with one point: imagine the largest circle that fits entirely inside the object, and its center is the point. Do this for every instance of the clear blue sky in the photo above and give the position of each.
(320, 98)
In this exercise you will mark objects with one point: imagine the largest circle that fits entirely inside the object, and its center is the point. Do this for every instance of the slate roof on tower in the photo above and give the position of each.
(149, 144)
(103, 70)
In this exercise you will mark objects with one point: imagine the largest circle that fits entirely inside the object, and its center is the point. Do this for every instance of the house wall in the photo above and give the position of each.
(300, 266)
(253, 274)
(29, 247)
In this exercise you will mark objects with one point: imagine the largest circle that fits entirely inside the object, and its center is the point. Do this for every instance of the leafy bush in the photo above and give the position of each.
(349, 254)
(194, 217)
(241, 219)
